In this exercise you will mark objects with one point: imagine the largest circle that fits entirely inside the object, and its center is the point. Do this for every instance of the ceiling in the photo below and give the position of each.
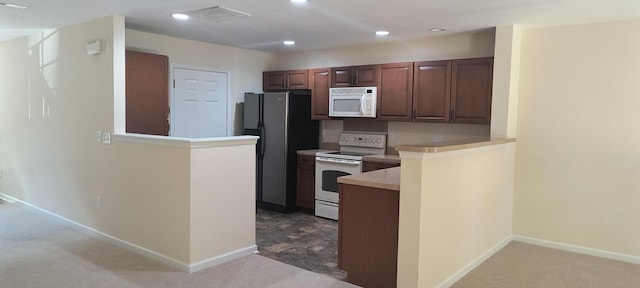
(317, 24)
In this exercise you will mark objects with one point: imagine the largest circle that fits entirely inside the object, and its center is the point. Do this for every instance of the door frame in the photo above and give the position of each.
(172, 92)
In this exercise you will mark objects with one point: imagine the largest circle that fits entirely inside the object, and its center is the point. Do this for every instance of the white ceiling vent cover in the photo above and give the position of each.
(217, 13)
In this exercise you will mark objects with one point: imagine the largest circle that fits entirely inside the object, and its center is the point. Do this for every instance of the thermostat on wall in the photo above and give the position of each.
(94, 47)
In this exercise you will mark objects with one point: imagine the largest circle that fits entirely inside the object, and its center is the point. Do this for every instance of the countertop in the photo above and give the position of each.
(383, 158)
(312, 152)
(444, 146)
(384, 179)
(390, 178)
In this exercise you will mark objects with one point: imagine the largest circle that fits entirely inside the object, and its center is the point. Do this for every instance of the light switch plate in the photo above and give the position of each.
(106, 138)
(99, 136)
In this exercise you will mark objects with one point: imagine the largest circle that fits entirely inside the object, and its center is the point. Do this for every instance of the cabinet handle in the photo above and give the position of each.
(413, 114)
(452, 115)
(284, 83)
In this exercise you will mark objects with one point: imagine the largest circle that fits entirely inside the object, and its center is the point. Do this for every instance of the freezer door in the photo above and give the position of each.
(251, 110)
(275, 150)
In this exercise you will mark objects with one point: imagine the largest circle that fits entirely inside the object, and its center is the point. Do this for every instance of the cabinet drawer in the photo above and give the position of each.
(309, 160)
(371, 166)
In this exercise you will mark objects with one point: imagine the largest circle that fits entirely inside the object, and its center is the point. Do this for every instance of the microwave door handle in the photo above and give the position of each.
(362, 103)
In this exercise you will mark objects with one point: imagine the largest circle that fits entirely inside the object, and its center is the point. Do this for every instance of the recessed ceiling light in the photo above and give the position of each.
(298, 1)
(382, 33)
(180, 16)
(438, 29)
(289, 43)
(10, 5)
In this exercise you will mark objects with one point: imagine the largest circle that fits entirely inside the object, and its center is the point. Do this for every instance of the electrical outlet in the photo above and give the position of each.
(99, 202)
(106, 138)
(99, 136)
(437, 138)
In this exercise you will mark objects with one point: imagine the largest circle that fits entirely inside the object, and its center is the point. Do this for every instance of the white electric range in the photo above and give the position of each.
(348, 161)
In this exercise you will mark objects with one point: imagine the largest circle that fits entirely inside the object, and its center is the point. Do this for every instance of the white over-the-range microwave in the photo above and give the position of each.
(353, 102)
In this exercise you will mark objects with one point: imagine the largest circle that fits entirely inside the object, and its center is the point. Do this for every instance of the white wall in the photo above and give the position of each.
(244, 66)
(578, 156)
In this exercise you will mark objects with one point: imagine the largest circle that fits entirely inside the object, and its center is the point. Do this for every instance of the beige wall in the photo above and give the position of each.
(468, 45)
(56, 99)
(172, 202)
(223, 212)
(455, 208)
(578, 156)
(244, 66)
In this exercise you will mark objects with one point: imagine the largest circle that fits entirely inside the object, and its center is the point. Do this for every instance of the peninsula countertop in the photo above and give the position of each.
(384, 179)
(444, 146)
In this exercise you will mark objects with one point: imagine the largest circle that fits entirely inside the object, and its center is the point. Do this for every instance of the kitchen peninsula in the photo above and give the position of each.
(444, 185)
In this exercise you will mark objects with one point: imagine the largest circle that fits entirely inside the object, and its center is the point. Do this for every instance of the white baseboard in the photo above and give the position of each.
(190, 268)
(578, 249)
(475, 263)
(7, 198)
(222, 258)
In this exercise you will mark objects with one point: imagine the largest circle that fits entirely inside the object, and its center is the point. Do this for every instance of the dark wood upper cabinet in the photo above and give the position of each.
(471, 90)
(147, 93)
(431, 91)
(395, 91)
(319, 83)
(284, 80)
(350, 76)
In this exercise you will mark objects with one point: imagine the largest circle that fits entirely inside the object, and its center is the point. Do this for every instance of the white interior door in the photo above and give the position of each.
(199, 105)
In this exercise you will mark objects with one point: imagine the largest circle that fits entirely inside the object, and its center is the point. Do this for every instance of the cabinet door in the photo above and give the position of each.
(306, 182)
(342, 76)
(396, 89)
(365, 75)
(471, 90)
(319, 82)
(305, 194)
(273, 80)
(296, 79)
(431, 91)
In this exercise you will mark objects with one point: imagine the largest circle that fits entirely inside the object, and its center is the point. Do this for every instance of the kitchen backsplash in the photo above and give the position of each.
(401, 133)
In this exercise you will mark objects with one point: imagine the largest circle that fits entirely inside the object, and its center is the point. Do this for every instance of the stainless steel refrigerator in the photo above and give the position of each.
(283, 122)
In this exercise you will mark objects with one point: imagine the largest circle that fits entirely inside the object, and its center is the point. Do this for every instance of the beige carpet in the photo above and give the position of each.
(39, 250)
(524, 265)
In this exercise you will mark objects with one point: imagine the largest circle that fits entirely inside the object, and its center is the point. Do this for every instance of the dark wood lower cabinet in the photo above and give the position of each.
(368, 235)
(306, 182)
(371, 165)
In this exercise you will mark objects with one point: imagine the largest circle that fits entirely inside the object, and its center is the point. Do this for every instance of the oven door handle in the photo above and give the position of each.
(341, 161)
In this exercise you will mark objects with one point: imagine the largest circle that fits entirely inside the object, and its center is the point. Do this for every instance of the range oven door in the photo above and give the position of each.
(327, 172)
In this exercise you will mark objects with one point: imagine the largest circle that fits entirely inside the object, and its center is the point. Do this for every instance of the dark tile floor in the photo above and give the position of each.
(299, 239)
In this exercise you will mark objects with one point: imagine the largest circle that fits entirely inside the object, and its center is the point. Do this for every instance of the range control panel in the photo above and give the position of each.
(363, 140)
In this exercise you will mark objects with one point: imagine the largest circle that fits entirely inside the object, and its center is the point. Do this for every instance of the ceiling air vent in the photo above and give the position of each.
(217, 13)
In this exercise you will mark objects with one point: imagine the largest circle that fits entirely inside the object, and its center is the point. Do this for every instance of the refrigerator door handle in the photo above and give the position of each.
(264, 140)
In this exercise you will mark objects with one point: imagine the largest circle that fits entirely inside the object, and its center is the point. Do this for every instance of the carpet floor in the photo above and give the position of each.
(39, 250)
(523, 265)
